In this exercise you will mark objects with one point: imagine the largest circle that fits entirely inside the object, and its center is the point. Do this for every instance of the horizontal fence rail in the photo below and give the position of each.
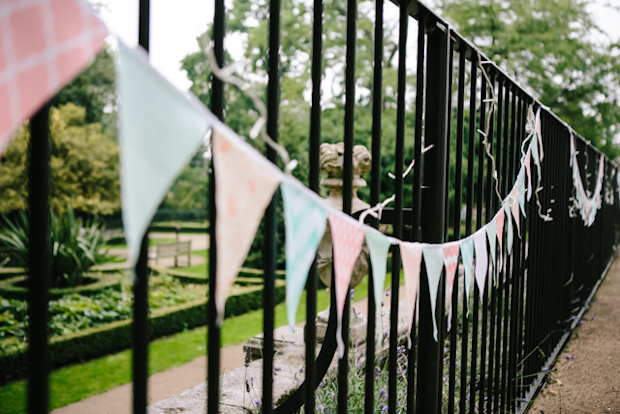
(470, 121)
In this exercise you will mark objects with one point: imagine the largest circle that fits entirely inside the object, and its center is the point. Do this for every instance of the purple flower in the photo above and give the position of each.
(352, 293)
(257, 402)
(384, 409)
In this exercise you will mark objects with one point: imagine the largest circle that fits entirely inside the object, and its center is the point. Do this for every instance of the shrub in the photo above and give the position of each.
(76, 245)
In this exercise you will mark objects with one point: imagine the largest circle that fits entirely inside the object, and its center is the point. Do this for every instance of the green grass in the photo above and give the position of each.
(76, 382)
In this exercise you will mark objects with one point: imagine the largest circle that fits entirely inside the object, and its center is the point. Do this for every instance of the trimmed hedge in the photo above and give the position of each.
(246, 275)
(117, 336)
(11, 289)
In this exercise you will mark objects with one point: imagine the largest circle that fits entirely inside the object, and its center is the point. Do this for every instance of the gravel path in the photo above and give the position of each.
(586, 378)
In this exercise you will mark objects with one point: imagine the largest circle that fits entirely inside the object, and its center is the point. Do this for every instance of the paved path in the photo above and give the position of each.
(586, 378)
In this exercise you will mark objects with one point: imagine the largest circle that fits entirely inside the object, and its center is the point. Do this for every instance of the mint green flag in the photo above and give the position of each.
(160, 129)
(509, 231)
(379, 246)
(521, 197)
(305, 219)
(467, 254)
(433, 259)
(535, 156)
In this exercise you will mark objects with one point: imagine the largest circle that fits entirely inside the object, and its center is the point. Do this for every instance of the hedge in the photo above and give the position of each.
(246, 275)
(11, 289)
(117, 336)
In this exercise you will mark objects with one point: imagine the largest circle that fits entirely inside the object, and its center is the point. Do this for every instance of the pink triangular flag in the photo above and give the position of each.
(244, 185)
(45, 44)
(347, 238)
(411, 255)
(528, 169)
(451, 262)
(499, 222)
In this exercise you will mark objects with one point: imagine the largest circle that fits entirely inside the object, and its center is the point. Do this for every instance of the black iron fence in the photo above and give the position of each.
(494, 357)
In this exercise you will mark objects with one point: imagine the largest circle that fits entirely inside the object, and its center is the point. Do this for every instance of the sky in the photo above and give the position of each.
(175, 25)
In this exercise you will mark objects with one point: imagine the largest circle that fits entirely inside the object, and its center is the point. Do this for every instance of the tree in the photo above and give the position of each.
(550, 48)
(84, 166)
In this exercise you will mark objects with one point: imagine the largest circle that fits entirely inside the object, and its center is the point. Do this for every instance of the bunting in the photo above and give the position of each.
(244, 186)
(482, 259)
(467, 253)
(347, 239)
(411, 255)
(305, 219)
(45, 44)
(509, 232)
(379, 246)
(528, 169)
(433, 259)
(451, 263)
(514, 207)
(499, 222)
(521, 190)
(491, 230)
(160, 129)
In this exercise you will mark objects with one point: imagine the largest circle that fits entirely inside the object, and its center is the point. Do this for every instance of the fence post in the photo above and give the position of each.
(430, 352)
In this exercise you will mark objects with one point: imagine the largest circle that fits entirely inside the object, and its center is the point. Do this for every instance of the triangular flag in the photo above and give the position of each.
(451, 263)
(509, 232)
(521, 197)
(491, 229)
(539, 134)
(45, 44)
(482, 259)
(467, 253)
(379, 246)
(499, 221)
(433, 258)
(514, 207)
(305, 219)
(535, 156)
(244, 185)
(347, 239)
(528, 169)
(160, 129)
(411, 255)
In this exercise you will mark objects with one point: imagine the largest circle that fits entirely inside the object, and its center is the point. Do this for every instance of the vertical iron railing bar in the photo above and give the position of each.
(471, 153)
(347, 184)
(449, 138)
(271, 222)
(398, 202)
(39, 258)
(214, 330)
(487, 201)
(416, 204)
(313, 181)
(493, 289)
(140, 354)
(430, 352)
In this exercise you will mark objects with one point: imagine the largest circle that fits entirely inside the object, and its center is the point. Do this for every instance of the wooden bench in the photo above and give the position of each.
(173, 249)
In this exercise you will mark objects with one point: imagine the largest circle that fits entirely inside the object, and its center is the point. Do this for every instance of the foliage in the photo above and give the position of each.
(84, 166)
(75, 245)
(551, 48)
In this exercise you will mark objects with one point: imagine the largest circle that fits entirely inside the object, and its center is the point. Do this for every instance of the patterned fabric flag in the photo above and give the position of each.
(521, 182)
(514, 207)
(379, 246)
(433, 259)
(160, 129)
(491, 229)
(45, 44)
(411, 255)
(305, 219)
(482, 259)
(244, 185)
(528, 169)
(499, 221)
(347, 239)
(539, 134)
(509, 232)
(467, 253)
(451, 262)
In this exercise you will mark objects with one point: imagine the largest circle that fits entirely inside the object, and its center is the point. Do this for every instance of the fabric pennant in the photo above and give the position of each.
(482, 259)
(160, 129)
(491, 229)
(411, 256)
(509, 231)
(528, 169)
(521, 186)
(451, 263)
(46, 43)
(535, 156)
(433, 259)
(244, 185)
(467, 253)
(347, 239)
(305, 219)
(514, 208)
(539, 134)
(379, 246)
(499, 221)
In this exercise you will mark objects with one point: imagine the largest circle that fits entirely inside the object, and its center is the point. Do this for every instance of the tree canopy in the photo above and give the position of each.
(84, 166)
